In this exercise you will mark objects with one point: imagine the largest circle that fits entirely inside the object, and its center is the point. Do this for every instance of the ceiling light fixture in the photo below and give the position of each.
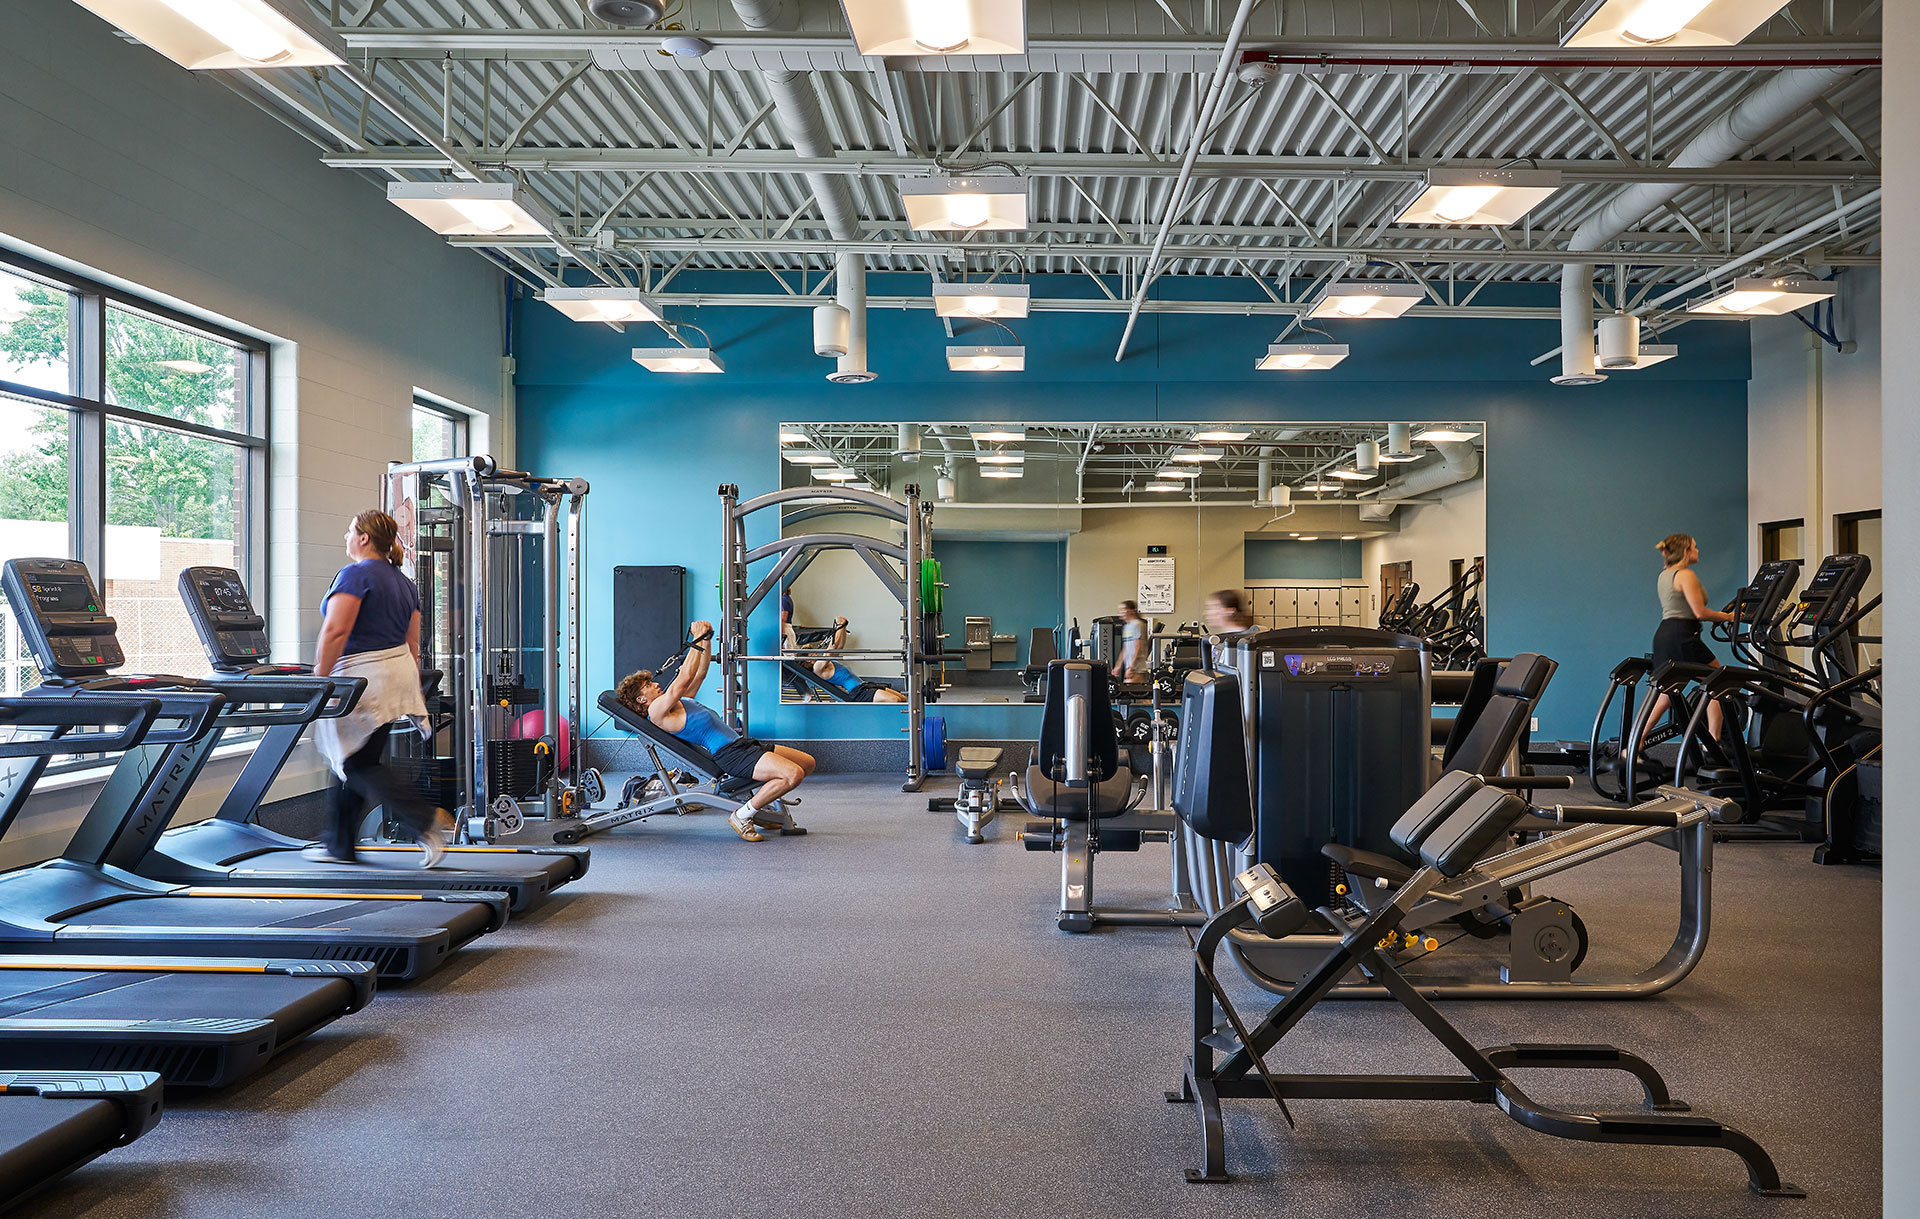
(938, 27)
(602, 304)
(1441, 435)
(1349, 537)
(945, 205)
(1196, 455)
(678, 359)
(1176, 472)
(1309, 537)
(1755, 297)
(793, 438)
(811, 459)
(1221, 436)
(1299, 357)
(1001, 457)
(1003, 472)
(987, 359)
(1667, 23)
(1655, 353)
(1352, 475)
(835, 475)
(1166, 487)
(1479, 196)
(981, 300)
(997, 434)
(1357, 299)
(472, 209)
(1318, 487)
(203, 35)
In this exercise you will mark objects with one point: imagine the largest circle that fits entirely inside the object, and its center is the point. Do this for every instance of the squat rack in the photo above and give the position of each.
(792, 555)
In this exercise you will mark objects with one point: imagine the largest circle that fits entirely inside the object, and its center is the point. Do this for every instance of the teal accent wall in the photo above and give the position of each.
(1580, 482)
(1020, 585)
(1287, 559)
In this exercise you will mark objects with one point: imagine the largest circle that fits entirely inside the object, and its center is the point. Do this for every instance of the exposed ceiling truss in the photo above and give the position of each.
(1102, 462)
(657, 165)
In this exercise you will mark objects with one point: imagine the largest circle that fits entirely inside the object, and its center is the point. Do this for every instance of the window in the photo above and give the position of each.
(131, 438)
(1781, 540)
(438, 431)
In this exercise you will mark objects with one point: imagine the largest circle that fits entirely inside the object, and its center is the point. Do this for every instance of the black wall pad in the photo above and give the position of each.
(649, 616)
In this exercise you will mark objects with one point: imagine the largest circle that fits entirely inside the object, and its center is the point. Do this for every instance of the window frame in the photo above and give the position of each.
(462, 421)
(88, 412)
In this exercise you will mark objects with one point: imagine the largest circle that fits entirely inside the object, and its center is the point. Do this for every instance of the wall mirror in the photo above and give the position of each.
(1041, 531)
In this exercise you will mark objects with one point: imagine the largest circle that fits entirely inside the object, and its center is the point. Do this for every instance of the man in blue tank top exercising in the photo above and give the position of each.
(856, 688)
(778, 768)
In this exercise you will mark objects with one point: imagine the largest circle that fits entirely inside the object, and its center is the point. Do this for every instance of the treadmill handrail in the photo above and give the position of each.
(134, 716)
(194, 709)
(307, 696)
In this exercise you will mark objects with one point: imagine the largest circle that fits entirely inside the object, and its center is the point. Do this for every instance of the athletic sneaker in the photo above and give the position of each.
(433, 841)
(742, 823)
(321, 853)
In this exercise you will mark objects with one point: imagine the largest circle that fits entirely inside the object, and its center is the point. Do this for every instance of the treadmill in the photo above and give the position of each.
(81, 902)
(193, 1021)
(230, 848)
(52, 1122)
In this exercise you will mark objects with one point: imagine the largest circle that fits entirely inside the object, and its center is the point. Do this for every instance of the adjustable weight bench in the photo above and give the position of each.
(667, 754)
(979, 800)
(801, 674)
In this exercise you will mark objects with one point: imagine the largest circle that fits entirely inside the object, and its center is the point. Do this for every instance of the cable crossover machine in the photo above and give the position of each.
(497, 558)
(899, 566)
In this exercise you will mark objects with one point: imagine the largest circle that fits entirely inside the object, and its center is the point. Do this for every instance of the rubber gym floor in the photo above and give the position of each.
(879, 1020)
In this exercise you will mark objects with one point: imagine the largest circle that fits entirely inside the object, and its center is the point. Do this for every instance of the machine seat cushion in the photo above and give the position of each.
(1525, 676)
(978, 762)
(1107, 798)
(1433, 808)
(1482, 819)
(1369, 865)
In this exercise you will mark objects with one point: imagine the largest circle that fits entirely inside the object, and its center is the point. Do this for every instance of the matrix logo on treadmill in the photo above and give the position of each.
(1293, 665)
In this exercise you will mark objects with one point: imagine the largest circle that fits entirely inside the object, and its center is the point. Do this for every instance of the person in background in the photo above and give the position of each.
(778, 768)
(370, 628)
(1226, 612)
(1133, 643)
(1683, 607)
(834, 673)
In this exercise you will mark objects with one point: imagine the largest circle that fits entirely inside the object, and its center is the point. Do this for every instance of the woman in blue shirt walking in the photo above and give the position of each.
(370, 628)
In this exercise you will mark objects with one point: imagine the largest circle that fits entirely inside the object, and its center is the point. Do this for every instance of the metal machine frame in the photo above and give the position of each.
(503, 532)
(738, 601)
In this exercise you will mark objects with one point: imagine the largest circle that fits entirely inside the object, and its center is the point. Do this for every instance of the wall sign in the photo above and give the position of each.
(1155, 592)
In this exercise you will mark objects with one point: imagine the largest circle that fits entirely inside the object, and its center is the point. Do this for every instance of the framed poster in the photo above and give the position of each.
(1154, 594)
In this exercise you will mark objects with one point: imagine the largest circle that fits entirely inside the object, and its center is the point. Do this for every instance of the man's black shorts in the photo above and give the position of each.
(738, 758)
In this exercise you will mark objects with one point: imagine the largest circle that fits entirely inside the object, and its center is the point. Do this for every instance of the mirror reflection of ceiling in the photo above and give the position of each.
(1105, 463)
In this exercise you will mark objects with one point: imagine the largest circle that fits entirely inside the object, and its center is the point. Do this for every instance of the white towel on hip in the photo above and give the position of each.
(392, 693)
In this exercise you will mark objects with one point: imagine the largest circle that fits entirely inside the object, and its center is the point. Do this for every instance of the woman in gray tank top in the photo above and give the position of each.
(1683, 607)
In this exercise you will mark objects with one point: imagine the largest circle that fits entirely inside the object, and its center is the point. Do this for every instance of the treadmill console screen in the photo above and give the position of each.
(61, 617)
(63, 596)
(234, 636)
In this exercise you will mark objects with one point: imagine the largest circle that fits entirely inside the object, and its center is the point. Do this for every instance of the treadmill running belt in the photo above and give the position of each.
(416, 916)
(44, 1138)
(76, 987)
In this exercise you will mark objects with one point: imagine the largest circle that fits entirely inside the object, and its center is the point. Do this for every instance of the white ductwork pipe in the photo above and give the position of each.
(1773, 103)
(1459, 461)
(796, 107)
(851, 292)
(1266, 473)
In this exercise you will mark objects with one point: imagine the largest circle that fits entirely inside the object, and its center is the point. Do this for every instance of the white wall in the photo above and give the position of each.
(115, 161)
(1431, 536)
(1806, 398)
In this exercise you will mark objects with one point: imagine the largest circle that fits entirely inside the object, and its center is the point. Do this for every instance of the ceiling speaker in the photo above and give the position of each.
(627, 12)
